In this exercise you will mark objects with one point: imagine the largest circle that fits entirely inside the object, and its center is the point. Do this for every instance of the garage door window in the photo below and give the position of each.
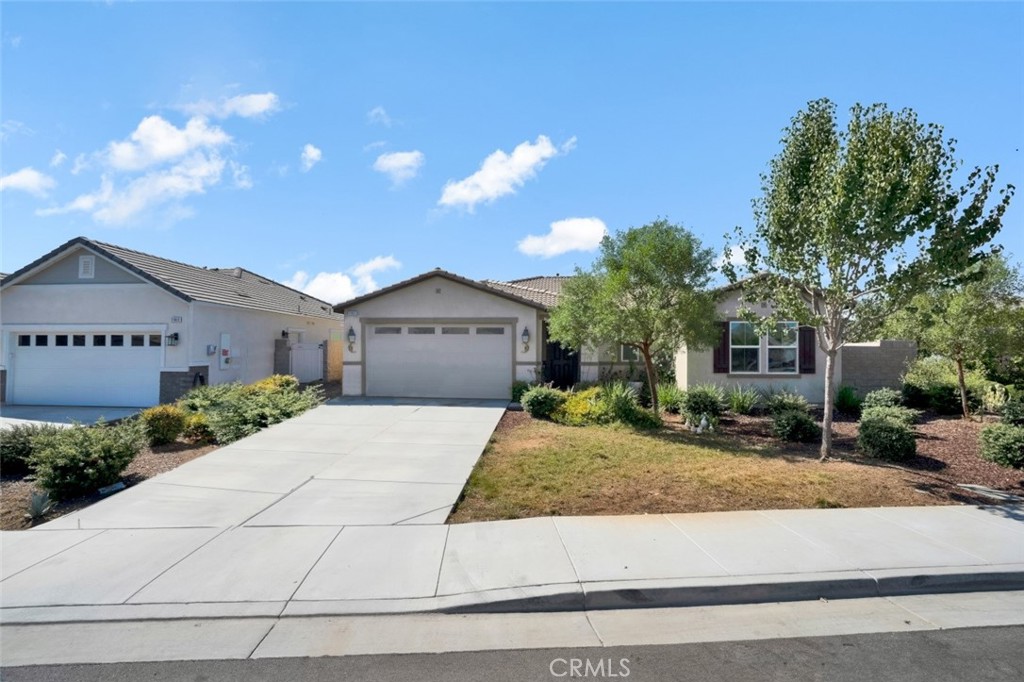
(117, 339)
(78, 340)
(490, 330)
(24, 340)
(422, 330)
(60, 340)
(42, 340)
(155, 340)
(454, 330)
(138, 340)
(99, 339)
(387, 330)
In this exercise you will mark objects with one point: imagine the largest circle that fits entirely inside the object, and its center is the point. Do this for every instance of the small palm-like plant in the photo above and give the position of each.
(39, 504)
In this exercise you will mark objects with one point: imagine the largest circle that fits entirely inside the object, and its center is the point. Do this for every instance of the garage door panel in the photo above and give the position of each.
(439, 365)
(68, 375)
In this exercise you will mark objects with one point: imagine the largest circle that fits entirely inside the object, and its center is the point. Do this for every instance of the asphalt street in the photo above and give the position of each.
(975, 654)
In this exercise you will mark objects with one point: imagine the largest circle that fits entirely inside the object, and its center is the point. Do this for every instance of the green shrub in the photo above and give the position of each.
(743, 400)
(208, 398)
(902, 415)
(16, 446)
(994, 398)
(785, 401)
(541, 401)
(163, 423)
(885, 438)
(581, 408)
(621, 404)
(1013, 412)
(883, 397)
(39, 505)
(275, 383)
(1003, 444)
(704, 399)
(251, 411)
(847, 401)
(78, 460)
(670, 398)
(518, 389)
(931, 383)
(796, 426)
(197, 429)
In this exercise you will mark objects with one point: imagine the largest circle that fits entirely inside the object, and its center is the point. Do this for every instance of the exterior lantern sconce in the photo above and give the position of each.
(351, 340)
(526, 339)
(284, 333)
(172, 339)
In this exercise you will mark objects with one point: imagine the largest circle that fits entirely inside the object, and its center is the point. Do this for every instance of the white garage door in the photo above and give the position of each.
(439, 361)
(84, 368)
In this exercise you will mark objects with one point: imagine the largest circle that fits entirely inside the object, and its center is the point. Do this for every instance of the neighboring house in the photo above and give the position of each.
(97, 324)
(442, 335)
(789, 359)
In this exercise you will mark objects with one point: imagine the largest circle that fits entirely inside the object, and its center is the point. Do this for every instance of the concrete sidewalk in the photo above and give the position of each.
(545, 564)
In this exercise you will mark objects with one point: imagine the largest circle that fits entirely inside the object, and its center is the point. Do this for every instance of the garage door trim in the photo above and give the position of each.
(367, 322)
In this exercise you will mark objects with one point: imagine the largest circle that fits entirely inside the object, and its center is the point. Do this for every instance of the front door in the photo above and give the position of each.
(561, 365)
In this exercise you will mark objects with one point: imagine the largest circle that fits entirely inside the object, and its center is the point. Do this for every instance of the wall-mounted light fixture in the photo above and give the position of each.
(526, 339)
(172, 339)
(351, 340)
(284, 333)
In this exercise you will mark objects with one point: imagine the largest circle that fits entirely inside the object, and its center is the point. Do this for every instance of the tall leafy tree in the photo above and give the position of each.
(647, 290)
(866, 213)
(980, 319)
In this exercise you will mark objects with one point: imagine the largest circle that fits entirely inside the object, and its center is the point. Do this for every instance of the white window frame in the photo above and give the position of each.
(758, 347)
(795, 346)
(622, 353)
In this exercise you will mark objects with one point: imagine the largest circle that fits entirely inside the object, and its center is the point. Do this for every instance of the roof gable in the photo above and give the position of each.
(444, 274)
(234, 287)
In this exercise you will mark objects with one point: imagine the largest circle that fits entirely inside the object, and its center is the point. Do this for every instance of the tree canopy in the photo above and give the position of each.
(647, 290)
(869, 213)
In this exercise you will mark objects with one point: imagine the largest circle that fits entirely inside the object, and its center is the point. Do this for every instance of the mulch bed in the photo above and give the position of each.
(15, 491)
(947, 453)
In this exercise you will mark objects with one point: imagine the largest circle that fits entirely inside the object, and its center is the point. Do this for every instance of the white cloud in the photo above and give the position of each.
(240, 175)
(81, 163)
(155, 141)
(501, 173)
(571, 234)
(59, 158)
(11, 127)
(375, 145)
(735, 257)
(379, 115)
(122, 206)
(310, 157)
(335, 287)
(399, 166)
(246, 106)
(28, 180)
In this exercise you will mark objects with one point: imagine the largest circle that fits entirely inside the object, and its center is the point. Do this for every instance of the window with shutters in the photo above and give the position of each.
(782, 349)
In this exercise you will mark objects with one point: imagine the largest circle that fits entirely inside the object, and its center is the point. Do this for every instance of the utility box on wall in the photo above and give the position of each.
(224, 357)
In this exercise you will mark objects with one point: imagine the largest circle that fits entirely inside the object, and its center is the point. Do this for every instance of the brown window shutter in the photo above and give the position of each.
(721, 354)
(808, 341)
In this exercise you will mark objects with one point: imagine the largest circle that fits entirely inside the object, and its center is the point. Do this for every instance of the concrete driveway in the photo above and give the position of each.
(60, 414)
(347, 463)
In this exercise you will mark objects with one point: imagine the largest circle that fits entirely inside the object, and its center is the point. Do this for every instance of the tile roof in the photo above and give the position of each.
(224, 286)
(546, 298)
(552, 283)
(512, 293)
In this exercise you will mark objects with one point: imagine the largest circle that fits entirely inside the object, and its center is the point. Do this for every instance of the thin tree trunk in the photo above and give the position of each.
(963, 387)
(652, 377)
(830, 400)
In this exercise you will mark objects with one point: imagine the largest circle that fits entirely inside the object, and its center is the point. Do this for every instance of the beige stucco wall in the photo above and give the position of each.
(696, 367)
(438, 298)
(253, 334)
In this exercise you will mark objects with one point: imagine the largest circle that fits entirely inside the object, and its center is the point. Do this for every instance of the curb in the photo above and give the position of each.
(566, 597)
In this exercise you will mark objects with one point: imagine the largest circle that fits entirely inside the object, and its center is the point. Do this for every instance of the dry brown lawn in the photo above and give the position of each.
(537, 468)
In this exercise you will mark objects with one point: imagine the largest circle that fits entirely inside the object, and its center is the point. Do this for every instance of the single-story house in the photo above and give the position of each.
(97, 324)
(442, 335)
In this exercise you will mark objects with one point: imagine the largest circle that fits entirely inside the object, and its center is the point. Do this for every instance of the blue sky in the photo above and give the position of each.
(341, 147)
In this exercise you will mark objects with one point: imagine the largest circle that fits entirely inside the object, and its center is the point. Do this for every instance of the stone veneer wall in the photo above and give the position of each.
(877, 364)
(333, 360)
(173, 385)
